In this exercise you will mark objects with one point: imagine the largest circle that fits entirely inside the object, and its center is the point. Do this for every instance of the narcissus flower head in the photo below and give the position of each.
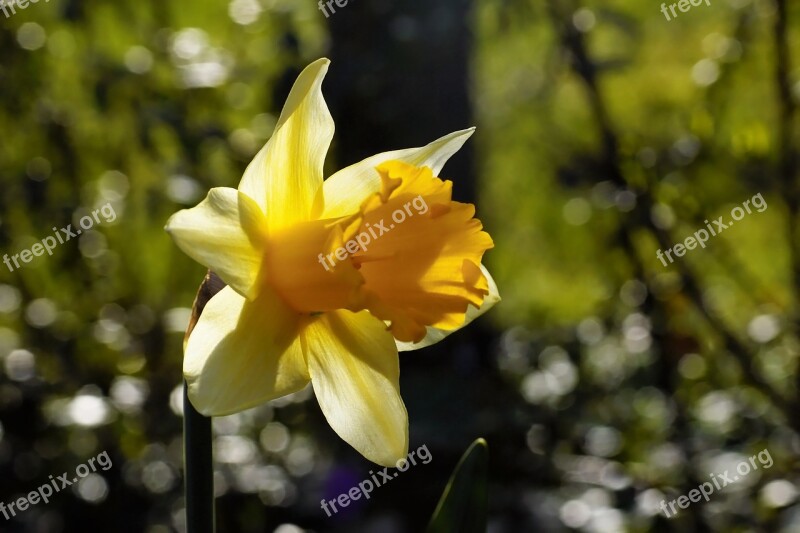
(328, 280)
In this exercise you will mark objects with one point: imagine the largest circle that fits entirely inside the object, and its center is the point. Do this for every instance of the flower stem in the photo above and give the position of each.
(198, 476)
(199, 470)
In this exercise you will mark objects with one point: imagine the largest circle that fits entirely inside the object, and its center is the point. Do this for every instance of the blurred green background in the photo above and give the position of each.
(604, 382)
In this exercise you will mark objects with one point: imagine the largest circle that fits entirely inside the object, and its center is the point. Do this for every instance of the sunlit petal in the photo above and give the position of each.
(285, 176)
(225, 233)
(434, 335)
(355, 371)
(242, 353)
(425, 269)
(346, 189)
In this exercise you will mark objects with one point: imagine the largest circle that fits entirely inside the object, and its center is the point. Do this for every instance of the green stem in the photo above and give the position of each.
(199, 469)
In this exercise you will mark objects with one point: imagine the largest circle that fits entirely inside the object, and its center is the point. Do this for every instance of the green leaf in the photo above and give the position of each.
(462, 507)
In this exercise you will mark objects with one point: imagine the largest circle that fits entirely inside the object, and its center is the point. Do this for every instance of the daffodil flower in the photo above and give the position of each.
(283, 320)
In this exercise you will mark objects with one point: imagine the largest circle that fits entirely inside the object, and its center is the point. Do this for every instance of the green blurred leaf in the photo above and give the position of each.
(462, 507)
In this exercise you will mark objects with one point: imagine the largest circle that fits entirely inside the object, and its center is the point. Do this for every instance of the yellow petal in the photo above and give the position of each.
(434, 335)
(355, 371)
(242, 353)
(425, 269)
(224, 232)
(285, 176)
(345, 190)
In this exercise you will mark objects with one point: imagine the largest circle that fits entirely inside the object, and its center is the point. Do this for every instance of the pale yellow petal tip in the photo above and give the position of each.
(196, 400)
(168, 225)
(320, 64)
(399, 451)
(467, 132)
(209, 406)
(391, 458)
(172, 226)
